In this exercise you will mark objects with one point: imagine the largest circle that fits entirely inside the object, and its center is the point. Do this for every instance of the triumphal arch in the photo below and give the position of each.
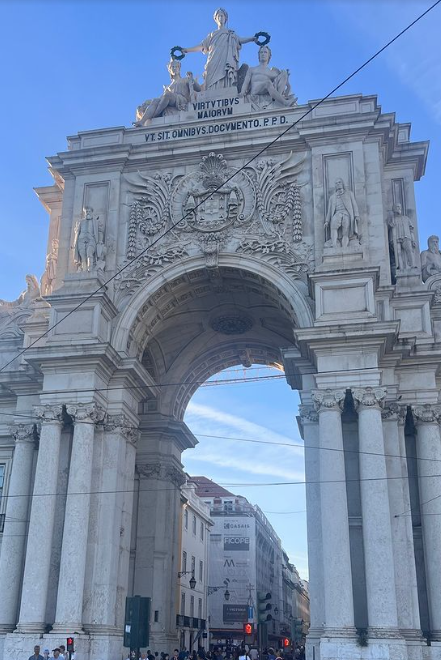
(174, 253)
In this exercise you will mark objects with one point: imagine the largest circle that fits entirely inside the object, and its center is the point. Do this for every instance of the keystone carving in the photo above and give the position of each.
(328, 399)
(427, 413)
(371, 397)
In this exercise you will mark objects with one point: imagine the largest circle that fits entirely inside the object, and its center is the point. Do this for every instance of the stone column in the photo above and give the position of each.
(14, 534)
(157, 560)
(308, 422)
(69, 611)
(377, 534)
(406, 587)
(337, 574)
(41, 526)
(428, 445)
(105, 624)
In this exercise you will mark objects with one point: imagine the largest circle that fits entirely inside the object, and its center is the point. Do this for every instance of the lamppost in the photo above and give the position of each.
(212, 590)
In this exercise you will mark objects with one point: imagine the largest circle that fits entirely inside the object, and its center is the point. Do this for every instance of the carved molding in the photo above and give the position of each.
(49, 413)
(370, 397)
(427, 413)
(86, 412)
(308, 414)
(24, 432)
(121, 424)
(328, 399)
(162, 472)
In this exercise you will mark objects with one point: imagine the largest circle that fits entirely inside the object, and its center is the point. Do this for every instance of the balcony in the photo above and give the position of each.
(190, 622)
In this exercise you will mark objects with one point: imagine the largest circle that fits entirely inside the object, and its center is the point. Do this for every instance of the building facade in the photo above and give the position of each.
(246, 558)
(174, 251)
(192, 613)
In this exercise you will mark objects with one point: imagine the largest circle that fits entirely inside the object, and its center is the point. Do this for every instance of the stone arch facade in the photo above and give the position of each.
(308, 259)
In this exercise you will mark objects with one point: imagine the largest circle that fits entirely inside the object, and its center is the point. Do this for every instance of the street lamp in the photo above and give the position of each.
(227, 595)
(276, 610)
(192, 581)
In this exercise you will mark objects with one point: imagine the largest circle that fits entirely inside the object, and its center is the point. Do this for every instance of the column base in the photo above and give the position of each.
(67, 629)
(384, 633)
(30, 628)
(7, 628)
(336, 648)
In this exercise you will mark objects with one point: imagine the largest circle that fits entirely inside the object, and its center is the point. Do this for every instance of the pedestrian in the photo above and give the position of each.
(183, 655)
(56, 653)
(36, 655)
(46, 654)
(62, 652)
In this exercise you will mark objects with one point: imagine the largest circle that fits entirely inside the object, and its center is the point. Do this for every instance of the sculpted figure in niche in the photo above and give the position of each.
(222, 48)
(175, 97)
(263, 81)
(25, 299)
(342, 218)
(86, 238)
(403, 231)
(431, 258)
(50, 272)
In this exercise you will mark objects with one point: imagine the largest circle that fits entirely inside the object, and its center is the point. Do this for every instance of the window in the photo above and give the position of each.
(201, 571)
(156, 616)
(200, 608)
(186, 518)
(194, 525)
(228, 505)
(183, 604)
(184, 561)
(202, 530)
(192, 606)
(193, 565)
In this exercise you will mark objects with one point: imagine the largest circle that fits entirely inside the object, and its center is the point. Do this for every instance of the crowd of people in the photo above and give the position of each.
(59, 652)
(237, 653)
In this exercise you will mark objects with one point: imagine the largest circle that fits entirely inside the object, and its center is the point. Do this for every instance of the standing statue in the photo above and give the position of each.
(431, 258)
(404, 239)
(86, 238)
(342, 218)
(175, 97)
(222, 47)
(263, 81)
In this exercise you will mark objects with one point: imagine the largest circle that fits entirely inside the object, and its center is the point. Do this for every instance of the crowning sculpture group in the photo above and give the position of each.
(263, 87)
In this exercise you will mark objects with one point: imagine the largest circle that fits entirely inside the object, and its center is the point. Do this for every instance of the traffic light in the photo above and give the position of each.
(137, 622)
(70, 645)
(286, 642)
(298, 630)
(264, 607)
(248, 628)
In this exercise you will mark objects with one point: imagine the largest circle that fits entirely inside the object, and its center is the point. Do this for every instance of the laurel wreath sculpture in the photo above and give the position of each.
(177, 49)
(266, 38)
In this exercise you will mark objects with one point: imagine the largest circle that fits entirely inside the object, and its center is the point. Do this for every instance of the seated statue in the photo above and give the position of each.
(261, 81)
(431, 258)
(175, 97)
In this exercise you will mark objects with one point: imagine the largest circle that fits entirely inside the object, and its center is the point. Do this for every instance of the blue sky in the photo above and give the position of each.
(75, 65)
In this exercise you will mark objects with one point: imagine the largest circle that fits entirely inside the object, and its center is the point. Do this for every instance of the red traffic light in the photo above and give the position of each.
(248, 628)
(70, 646)
(286, 641)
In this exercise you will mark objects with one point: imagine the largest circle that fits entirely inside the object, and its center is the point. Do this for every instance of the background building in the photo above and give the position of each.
(246, 557)
(192, 618)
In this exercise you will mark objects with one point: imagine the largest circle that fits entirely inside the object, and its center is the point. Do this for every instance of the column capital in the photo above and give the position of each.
(308, 414)
(328, 399)
(121, 423)
(162, 471)
(393, 411)
(427, 413)
(24, 433)
(85, 412)
(48, 413)
(369, 397)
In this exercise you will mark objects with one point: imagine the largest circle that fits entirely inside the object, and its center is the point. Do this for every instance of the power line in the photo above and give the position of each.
(263, 442)
(259, 153)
